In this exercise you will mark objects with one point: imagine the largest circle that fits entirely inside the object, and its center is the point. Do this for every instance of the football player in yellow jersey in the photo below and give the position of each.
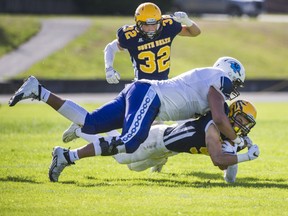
(148, 42)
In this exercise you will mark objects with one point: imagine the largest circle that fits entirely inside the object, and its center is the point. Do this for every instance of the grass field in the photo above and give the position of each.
(260, 46)
(15, 30)
(188, 184)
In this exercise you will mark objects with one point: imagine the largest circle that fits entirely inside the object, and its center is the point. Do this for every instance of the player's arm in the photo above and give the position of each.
(214, 147)
(189, 27)
(221, 159)
(216, 104)
(112, 76)
(110, 51)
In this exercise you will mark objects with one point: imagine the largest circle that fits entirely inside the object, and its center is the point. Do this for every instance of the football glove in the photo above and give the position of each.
(182, 18)
(227, 148)
(253, 152)
(248, 141)
(112, 76)
(239, 141)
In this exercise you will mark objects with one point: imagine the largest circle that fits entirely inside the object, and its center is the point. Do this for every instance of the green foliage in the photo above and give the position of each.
(188, 185)
(15, 30)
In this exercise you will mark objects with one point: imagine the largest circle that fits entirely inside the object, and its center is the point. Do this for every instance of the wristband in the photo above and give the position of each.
(237, 140)
(242, 157)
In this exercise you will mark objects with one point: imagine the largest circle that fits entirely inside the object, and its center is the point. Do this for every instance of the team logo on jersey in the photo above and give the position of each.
(235, 67)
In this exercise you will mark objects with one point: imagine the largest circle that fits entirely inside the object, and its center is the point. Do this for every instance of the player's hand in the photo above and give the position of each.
(112, 76)
(248, 141)
(253, 152)
(182, 18)
(239, 141)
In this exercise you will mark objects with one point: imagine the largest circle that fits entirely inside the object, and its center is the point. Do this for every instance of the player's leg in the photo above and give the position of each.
(34, 90)
(142, 107)
(153, 146)
(143, 165)
(102, 119)
(62, 157)
(74, 131)
(108, 117)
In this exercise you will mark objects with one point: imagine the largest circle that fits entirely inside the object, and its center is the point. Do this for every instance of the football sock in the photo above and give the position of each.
(88, 137)
(121, 149)
(44, 94)
(73, 112)
(97, 148)
(73, 154)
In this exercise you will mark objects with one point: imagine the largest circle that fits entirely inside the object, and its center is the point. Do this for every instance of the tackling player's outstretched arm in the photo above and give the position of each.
(216, 104)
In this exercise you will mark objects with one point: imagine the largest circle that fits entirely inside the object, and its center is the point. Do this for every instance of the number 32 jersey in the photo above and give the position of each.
(150, 58)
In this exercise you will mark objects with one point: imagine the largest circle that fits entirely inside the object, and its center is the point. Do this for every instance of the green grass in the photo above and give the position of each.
(188, 185)
(15, 30)
(260, 46)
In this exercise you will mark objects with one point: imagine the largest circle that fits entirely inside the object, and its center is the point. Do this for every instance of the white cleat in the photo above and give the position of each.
(158, 167)
(230, 173)
(30, 89)
(60, 159)
(70, 133)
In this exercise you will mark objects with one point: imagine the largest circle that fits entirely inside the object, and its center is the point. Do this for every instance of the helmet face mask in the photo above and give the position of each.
(236, 84)
(148, 14)
(235, 71)
(242, 116)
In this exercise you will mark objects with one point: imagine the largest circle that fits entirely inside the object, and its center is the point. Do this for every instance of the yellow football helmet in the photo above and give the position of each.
(242, 125)
(148, 14)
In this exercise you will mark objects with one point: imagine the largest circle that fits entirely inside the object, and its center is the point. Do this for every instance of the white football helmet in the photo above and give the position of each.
(235, 70)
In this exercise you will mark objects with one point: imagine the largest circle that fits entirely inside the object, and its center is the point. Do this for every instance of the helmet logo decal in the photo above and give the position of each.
(239, 105)
(235, 67)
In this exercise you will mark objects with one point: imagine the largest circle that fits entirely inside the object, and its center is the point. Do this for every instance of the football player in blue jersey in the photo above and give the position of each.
(199, 136)
(148, 42)
(189, 95)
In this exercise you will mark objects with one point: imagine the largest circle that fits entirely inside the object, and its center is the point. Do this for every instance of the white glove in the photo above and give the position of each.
(182, 18)
(239, 141)
(253, 152)
(248, 141)
(112, 76)
(227, 148)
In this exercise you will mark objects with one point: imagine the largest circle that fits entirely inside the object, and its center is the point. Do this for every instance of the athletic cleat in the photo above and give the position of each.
(70, 133)
(230, 173)
(158, 167)
(30, 89)
(60, 159)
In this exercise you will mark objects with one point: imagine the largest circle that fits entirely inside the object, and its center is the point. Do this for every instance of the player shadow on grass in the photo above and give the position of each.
(206, 180)
(23, 179)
